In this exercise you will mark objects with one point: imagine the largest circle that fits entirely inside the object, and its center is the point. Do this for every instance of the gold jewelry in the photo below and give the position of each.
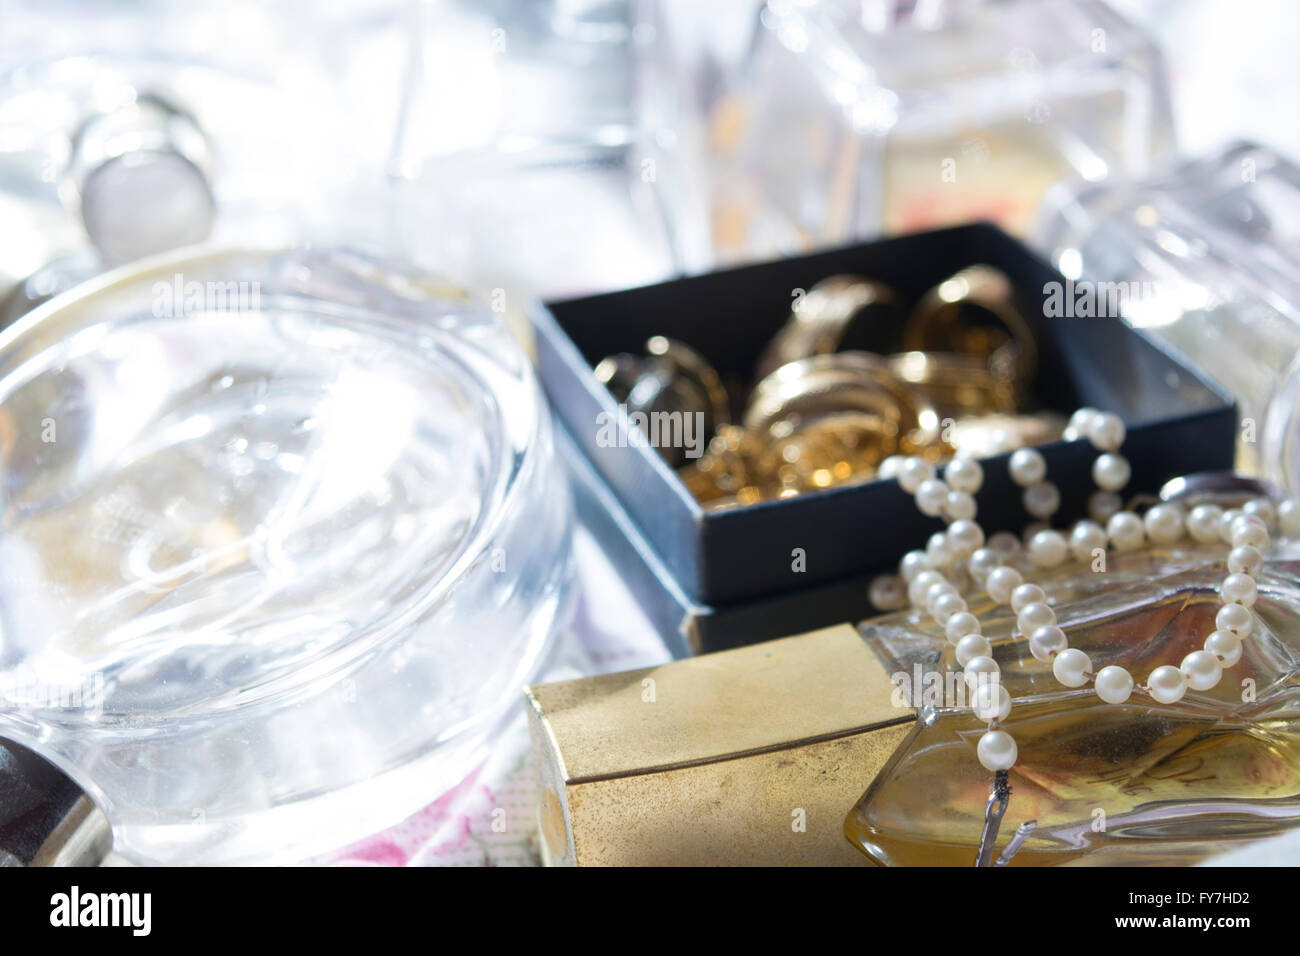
(947, 320)
(956, 383)
(982, 436)
(672, 378)
(830, 419)
(722, 475)
(816, 326)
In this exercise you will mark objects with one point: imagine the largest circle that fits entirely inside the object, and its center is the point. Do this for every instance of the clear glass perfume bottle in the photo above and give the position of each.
(1137, 783)
(526, 130)
(283, 536)
(851, 119)
(1206, 259)
(130, 129)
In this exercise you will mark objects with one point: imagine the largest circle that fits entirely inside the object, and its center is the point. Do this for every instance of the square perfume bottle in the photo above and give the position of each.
(1138, 783)
(851, 119)
(532, 146)
(1206, 260)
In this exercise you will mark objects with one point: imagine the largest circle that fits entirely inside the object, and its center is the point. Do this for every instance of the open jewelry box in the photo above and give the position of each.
(750, 573)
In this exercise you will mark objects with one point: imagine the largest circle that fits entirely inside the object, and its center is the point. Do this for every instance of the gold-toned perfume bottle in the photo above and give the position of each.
(1133, 783)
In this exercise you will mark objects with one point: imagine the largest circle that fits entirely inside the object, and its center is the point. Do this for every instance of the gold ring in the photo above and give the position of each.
(816, 326)
(946, 320)
(673, 378)
(829, 419)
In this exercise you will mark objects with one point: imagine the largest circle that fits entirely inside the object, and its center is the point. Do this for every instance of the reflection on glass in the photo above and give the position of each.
(282, 539)
(852, 119)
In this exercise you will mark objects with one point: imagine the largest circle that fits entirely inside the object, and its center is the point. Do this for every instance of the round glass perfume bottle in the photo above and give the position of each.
(283, 536)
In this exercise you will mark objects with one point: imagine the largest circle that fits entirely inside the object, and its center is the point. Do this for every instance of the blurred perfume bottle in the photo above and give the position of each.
(1206, 259)
(131, 129)
(855, 118)
(533, 149)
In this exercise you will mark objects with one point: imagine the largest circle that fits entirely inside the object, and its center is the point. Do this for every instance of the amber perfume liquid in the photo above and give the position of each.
(1137, 783)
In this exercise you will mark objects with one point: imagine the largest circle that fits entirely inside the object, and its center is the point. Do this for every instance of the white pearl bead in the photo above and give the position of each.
(921, 583)
(936, 591)
(913, 563)
(1033, 616)
(1027, 594)
(937, 550)
(1080, 424)
(1245, 560)
(887, 593)
(997, 750)
(964, 537)
(889, 468)
(1047, 549)
(1246, 532)
(1103, 504)
(1225, 646)
(991, 701)
(1204, 522)
(961, 624)
(912, 472)
(1027, 467)
(1288, 516)
(964, 474)
(1163, 523)
(1046, 641)
(1106, 431)
(1235, 619)
(1167, 684)
(1001, 582)
(945, 606)
(1251, 518)
(1086, 539)
(980, 670)
(925, 579)
(1041, 500)
(931, 496)
(1005, 543)
(1226, 522)
(1111, 472)
(1263, 509)
(1071, 667)
(1202, 670)
(960, 505)
(1113, 684)
(1239, 589)
(982, 561)
(1126, 531)
(970, 647)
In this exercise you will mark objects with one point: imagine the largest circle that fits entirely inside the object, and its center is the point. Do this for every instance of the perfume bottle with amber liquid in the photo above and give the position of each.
(1139, 783)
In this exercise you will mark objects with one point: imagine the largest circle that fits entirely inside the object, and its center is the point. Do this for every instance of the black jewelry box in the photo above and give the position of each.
(688, 626)
(777, 553)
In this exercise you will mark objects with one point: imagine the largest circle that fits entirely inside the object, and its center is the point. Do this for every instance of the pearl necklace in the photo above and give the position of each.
(929, 579)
